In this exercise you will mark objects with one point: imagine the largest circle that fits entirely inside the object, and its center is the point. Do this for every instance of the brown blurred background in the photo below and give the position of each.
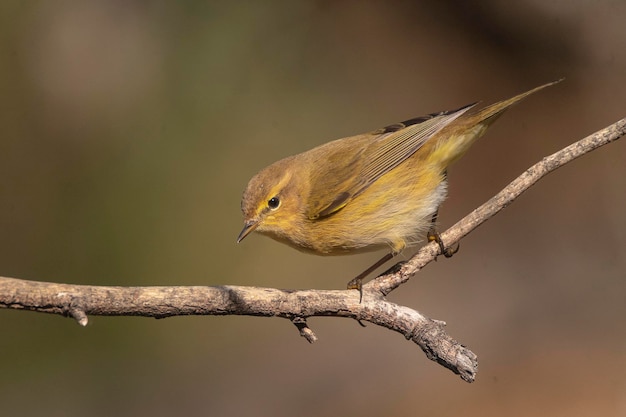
(130, 128)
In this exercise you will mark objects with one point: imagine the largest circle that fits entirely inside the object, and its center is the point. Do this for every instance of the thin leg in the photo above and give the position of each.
(433, 235)
(357, 283)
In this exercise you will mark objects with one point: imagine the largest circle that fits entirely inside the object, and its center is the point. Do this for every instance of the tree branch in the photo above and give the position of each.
(79, 301)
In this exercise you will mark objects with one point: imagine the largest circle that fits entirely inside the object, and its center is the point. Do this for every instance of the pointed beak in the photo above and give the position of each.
(247, 229)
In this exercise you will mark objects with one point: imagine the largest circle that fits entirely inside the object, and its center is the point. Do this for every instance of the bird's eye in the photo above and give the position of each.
(273, 203)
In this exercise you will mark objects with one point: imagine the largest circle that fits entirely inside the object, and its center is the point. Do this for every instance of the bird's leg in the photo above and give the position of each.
(434, 236)
(357, 283)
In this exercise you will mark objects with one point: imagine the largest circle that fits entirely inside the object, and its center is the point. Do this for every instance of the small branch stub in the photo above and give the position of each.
(304, 329)
(79, 316)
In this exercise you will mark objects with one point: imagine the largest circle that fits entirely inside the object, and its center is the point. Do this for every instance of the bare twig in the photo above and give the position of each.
(79, 301)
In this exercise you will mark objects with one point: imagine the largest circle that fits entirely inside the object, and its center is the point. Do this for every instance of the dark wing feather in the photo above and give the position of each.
(393, 145)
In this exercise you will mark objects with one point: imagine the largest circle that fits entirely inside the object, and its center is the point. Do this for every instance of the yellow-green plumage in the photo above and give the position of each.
(366, 191)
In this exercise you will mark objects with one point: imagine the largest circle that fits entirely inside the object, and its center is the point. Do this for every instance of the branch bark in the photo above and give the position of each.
(80, 301)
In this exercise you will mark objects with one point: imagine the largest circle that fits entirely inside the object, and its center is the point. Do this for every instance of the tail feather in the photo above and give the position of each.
(495, 110)
(455, 140)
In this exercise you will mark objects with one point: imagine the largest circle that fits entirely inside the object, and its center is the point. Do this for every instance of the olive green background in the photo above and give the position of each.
(129, 129)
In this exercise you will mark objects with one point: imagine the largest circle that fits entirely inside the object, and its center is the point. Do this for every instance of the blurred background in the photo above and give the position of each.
(129, 130)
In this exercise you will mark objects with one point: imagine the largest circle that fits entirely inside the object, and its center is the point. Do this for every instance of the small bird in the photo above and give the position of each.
(366, 192)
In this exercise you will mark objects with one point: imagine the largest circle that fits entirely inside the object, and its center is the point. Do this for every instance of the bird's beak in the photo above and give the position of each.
(247, 229)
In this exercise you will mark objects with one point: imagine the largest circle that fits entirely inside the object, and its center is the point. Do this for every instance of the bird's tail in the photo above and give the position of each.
(454, 140)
